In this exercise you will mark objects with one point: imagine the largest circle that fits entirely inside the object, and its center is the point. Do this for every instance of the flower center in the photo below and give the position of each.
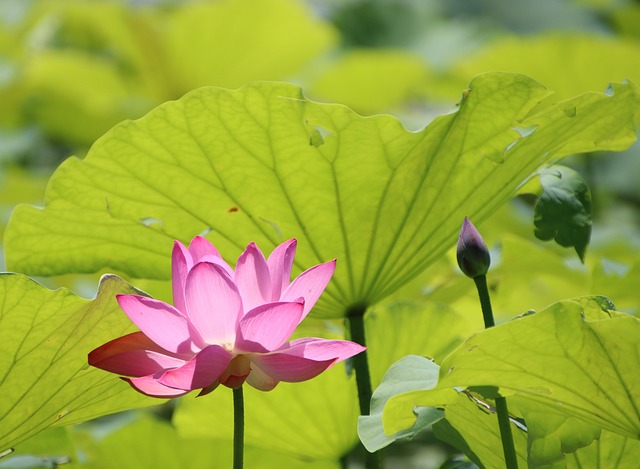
(236, 373)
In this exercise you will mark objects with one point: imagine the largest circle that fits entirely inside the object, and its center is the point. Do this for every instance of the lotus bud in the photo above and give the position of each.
(472, 253)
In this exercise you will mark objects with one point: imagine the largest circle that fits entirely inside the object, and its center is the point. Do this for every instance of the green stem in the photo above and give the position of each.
(363, 378)
(485, 301)
(508, 446)
(361, 362)
(238, 428)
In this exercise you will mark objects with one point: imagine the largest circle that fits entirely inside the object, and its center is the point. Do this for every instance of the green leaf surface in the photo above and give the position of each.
(551, 433)
(149, 443)
(563, 211)
(44, 450)
(242, 166)
(471, 425)
(610, 450)
(403, 328)
(411, 373)
(314, 419)
(45, 337)
(577, 357)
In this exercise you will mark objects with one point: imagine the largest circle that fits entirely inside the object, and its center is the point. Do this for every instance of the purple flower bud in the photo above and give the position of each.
(472, 252)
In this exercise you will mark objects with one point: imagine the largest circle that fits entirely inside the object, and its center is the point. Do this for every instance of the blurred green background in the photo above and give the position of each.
(72, 69)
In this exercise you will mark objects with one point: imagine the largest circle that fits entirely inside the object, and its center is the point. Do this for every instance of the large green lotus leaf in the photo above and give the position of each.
(313, 419)
(610, 450)
(45, 337)
(230, 42)
(264, 164)
(370, 80)
(44, 450)
(16, 186)
(577, 357)
(552, 434)
(149, 443)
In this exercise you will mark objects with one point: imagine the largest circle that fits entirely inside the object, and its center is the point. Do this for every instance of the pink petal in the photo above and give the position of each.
(181, 263)
(201, 250)
(309, 285)
(267, 327)
(150, 386)
(303, 359)
(201, 371)
(322, 349)
(133, 355)
(260, 380)
(201, 247)
(252, 278)
(160, 322)
(280, 366)
(280, 262)
(213, 303)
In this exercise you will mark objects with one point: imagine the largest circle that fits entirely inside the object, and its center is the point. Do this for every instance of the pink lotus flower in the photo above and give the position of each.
(226, 327)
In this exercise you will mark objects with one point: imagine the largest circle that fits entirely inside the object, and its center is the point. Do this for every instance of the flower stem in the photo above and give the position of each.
(238, 428)
(363, 378)
(504, 424)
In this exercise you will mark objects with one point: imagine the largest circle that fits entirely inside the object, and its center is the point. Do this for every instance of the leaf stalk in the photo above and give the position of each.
(355, 319)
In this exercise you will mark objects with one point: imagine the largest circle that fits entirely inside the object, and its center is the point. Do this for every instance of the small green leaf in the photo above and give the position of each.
(563, 211)
(45, 337)
(411, 373)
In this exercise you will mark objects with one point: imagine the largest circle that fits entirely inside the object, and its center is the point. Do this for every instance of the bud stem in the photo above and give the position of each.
(485, 301)
(504, 424)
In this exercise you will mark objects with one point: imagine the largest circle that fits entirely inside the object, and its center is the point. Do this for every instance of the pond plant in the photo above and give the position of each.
(372, 206)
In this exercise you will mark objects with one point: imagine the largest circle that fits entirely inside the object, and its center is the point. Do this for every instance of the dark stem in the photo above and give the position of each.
(485, 301)
(363, 378)
(506, 436)
(510, 457)
(361, 362)
(238, 428)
